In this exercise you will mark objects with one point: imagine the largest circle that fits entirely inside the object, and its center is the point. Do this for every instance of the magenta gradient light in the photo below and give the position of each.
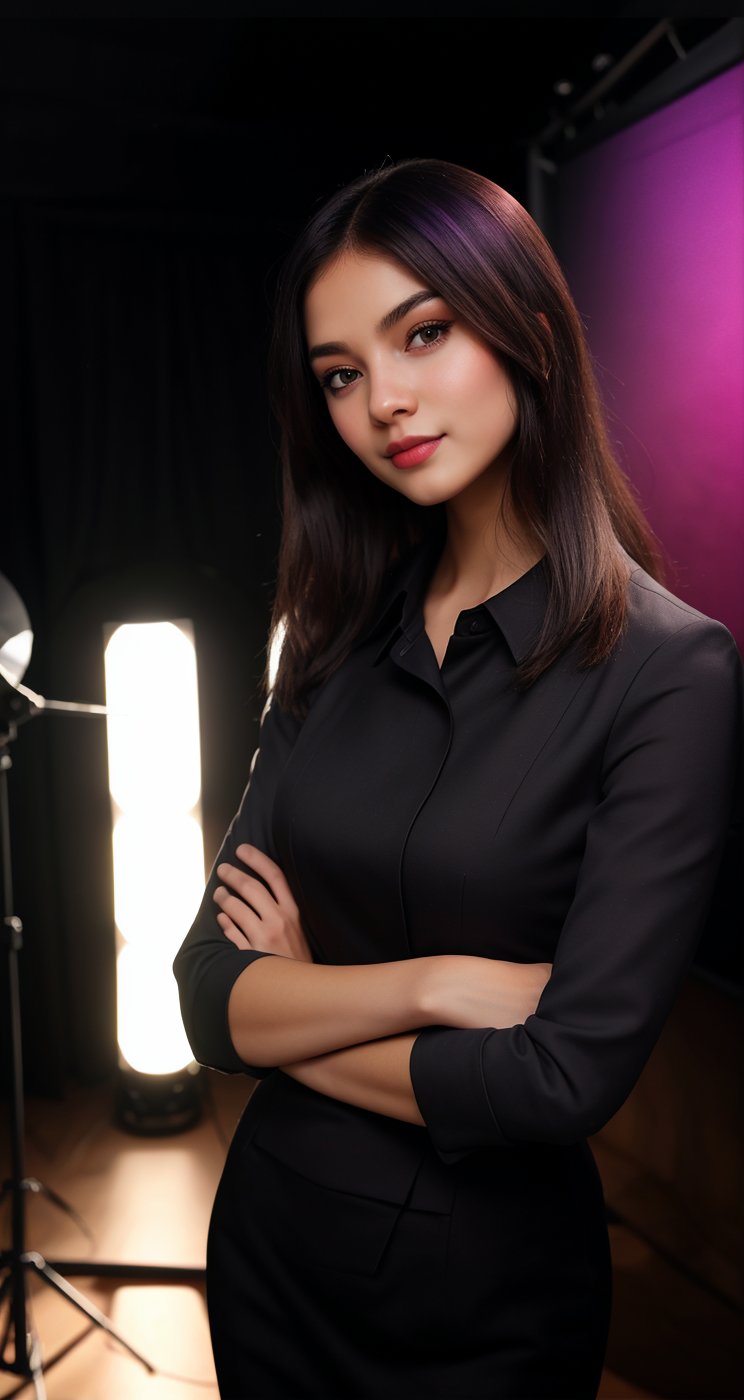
(651, 238)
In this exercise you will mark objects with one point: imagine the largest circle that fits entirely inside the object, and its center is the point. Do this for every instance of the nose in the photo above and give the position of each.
(390, 393)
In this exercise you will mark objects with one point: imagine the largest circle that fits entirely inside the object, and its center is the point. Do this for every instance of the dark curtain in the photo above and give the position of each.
(140, 480)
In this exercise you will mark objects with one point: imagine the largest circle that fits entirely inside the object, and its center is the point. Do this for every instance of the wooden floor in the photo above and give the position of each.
(147, 1200)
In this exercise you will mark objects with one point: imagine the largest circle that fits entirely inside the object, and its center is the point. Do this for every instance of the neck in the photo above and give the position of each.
(486, 547)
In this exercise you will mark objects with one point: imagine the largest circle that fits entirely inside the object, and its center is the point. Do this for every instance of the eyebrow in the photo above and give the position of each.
(337, 347)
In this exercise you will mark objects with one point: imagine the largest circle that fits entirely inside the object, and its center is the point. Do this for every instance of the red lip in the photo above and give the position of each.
(403, 444)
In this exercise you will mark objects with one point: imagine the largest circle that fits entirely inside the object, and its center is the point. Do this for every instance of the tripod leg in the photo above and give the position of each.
(5, 1288)
(35, 1367)
(32, 1183)
(31, 1365)
(78, 1300)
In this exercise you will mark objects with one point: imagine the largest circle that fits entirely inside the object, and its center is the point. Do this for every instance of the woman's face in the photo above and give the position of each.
(407, 380)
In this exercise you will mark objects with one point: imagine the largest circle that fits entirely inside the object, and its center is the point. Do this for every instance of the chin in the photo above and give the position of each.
(429, 494)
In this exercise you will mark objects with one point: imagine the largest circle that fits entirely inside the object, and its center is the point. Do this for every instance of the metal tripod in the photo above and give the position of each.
(17, 1263)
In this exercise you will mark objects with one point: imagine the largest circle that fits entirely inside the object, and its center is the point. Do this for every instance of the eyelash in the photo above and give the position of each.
(425, 325)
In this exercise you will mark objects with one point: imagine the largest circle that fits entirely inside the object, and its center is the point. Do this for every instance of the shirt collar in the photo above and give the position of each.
(517, 611)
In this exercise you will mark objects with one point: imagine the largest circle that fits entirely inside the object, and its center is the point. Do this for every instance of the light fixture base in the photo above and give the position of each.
(153, 1105)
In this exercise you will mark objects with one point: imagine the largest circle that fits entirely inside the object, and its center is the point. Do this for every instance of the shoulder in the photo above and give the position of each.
(655, 610)
(676, 667)
(657, 618)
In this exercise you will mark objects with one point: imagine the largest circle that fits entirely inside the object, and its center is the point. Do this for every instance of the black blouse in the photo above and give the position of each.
(419, 811)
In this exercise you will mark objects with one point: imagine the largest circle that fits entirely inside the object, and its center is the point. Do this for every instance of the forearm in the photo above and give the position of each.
(374, 1076)
(282, 1010)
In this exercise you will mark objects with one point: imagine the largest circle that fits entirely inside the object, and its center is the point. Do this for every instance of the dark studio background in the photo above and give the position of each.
(152, 174)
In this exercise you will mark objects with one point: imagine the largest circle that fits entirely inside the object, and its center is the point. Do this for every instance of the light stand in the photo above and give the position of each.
(16, 705)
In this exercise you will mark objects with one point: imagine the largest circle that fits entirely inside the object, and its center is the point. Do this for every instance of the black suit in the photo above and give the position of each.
(415, 812)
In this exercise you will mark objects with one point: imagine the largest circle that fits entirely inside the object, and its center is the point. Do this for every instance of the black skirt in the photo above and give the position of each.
(315, 1291)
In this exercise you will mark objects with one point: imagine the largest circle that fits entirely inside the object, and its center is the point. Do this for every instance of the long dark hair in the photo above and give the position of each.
(342, 526)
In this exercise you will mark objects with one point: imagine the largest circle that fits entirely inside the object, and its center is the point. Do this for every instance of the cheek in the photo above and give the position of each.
(487, 396)
(344, 423)
(468, 379)
(355, 433)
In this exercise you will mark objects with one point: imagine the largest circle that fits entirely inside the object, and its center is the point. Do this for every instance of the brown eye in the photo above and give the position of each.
(325, 382)
(442, 326)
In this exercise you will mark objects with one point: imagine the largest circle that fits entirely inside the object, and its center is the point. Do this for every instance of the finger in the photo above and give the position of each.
(232, 932)
(239, 913)
(248, 888)
(266, 867)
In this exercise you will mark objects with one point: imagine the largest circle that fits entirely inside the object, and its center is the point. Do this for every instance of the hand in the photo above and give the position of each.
(472, 992)
(254, 917)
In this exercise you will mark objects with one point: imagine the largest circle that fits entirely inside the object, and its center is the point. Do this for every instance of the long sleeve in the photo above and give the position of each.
(670, 777)
(207, 963)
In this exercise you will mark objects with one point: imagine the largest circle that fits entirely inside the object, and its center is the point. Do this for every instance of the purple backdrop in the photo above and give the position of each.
(651, 238)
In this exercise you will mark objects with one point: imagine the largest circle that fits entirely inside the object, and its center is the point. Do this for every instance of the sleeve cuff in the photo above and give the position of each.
(217, 983)
(446, 1068)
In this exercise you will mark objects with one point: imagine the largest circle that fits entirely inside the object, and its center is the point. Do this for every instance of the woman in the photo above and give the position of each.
(480, 833)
